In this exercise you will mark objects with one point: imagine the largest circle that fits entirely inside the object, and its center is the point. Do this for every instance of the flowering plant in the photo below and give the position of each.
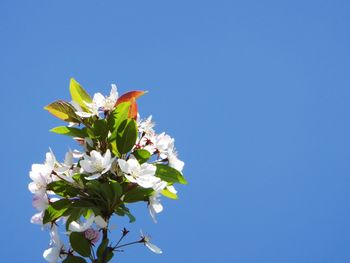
(123, 161)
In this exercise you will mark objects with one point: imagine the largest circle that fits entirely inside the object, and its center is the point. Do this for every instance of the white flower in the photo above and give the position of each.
(41, 174)
(99, 103)
(96, 164)
(154, 206)
(100, 222)
(40, 202)
(146, 240)
(143, 175)
(67, 169)
(159, 185)
(68, 163)
(83, 226)
(109, 102)
(53, 254)
(37, 218)
(145, 126)
(163, 144)
(174, 162)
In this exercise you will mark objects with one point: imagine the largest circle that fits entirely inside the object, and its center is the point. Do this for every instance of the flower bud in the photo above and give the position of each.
(92, 235)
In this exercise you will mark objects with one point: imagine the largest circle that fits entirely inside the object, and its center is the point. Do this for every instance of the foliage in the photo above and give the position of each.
(123, 161)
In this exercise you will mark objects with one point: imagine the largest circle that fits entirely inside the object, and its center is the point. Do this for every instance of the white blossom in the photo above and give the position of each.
(174, 162)
(99, 103)
(83, 226)
(40, 202)
(146, 240)
(67, 169)
(41, 174)
(154, 206)
(53, 254)
(37, 218)
(96, 164)
(163, 144)
(145, 126)
(143, 175)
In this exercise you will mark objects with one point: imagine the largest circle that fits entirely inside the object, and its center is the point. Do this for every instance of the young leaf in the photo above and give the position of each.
(63, 110)
(142, 155)
(169, 194)
(131, 97)
(74, 259)
(79, 95)
(80, 244)
(169, 174)
(70, 131)
(126, 136)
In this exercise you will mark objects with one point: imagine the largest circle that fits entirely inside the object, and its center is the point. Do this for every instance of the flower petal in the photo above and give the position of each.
(153, 248)
(93, 177)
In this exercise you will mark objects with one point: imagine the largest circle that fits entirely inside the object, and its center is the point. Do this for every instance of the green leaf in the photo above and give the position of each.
(169, 174)
(138, 194)
(169, 194)
(79, 95)
(80, 244)
(83, 204)
(117, 116)
(122, 210)
(126, 136)
(56, 210)
(63, 110)
(100, 129)
(70, 131)
(107, 192)
(142, 155)
(93, 187)
(74, 259)
(80, 179)
(63, 188)
(116, 188)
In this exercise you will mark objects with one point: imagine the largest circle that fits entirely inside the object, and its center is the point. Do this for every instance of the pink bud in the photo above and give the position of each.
(92, 235)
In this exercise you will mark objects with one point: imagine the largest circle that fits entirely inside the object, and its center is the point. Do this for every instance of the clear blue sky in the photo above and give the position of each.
(256, 94)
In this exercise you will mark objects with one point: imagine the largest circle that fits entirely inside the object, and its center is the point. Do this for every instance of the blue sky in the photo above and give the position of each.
(256, 94)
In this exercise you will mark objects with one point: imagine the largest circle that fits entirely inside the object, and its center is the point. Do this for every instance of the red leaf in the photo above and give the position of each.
(131, 97)
(133, 109)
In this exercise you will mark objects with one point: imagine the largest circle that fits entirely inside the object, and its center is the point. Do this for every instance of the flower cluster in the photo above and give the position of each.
(122, 161)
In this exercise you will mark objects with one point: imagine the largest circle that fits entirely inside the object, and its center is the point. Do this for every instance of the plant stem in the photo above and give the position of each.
(128, 244)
